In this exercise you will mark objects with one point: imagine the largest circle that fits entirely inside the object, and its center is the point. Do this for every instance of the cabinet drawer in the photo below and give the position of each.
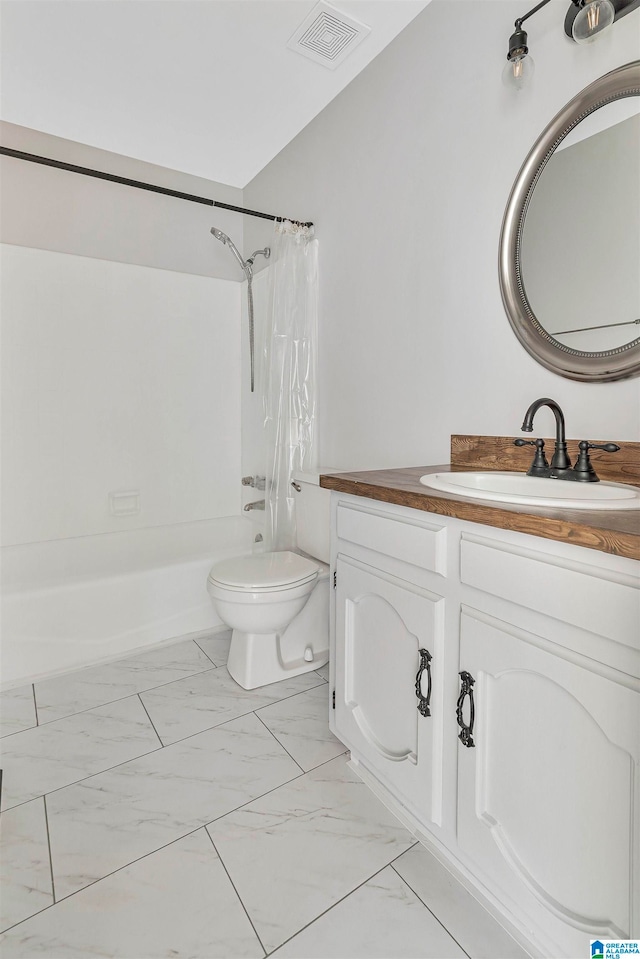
(421, 544)
(601, 601)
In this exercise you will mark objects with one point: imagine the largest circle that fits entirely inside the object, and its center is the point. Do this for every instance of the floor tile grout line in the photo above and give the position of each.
(26, 729)
(269, 791)
(106, 876)
(149, 689)
(241, 716)
(342, 898)
(17, 732)
(329, 908)
(300, 692)
(46, 822)
(271, 733)
(78, 670)
(191, 832)
(35, 703)
(77, 782)
(207, 729)
(249, 801)
(108, 769)
(172, 841)
(132, 863)
(292, 780)
(222, 863)
(162, 746)
(157, 749)
(439, 921)
(286, 783)
(220, 636)
(119, 699)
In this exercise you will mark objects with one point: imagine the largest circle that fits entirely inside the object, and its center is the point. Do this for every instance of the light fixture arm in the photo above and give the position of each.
(518, 48)
(518, 23)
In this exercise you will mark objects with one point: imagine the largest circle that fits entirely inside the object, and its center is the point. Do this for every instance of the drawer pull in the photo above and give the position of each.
(466, 689)
(424, 702)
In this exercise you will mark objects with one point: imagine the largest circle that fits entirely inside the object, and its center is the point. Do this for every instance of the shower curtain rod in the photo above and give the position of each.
(87, 171)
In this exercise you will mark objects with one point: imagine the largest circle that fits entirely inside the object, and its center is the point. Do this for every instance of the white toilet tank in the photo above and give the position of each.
(313, 515)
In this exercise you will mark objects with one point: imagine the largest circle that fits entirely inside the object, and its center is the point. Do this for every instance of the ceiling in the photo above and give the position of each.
(208, 87)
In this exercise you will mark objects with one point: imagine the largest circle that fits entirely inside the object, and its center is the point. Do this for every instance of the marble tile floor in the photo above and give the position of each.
(152, 808)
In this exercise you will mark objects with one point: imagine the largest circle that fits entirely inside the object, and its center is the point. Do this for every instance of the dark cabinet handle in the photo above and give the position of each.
(466, 689)
(424, 702)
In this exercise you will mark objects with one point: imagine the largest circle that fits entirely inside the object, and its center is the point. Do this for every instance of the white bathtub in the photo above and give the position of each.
(75, 602)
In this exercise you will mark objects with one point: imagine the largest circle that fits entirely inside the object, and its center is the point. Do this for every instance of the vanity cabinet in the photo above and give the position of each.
(525, 777)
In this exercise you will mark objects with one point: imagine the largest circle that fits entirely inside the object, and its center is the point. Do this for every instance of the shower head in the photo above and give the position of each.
(219, 235)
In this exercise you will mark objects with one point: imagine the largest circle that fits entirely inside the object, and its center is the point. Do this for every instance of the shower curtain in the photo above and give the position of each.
(289, 384)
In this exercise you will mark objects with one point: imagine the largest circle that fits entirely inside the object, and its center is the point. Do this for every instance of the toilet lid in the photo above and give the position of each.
(264, 571)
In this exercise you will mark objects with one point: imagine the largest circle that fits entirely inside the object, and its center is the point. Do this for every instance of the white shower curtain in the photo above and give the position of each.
(289, 375)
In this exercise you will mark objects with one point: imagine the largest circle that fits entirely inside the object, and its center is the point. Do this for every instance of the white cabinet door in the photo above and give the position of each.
(385, 630)
(547, 795)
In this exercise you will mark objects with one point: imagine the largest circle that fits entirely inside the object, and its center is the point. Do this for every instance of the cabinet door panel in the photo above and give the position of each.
(381, 700)
(381, 625)
(547, 794)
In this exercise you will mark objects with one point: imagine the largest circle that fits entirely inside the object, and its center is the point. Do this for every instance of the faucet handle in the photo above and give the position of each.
(539, 460)
(607, 447)
(583, 466)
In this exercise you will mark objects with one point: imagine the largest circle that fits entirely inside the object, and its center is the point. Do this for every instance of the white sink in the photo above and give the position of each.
(534, 490)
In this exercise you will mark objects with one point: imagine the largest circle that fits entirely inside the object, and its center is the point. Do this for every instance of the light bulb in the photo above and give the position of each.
(518, 72)
(594, 17)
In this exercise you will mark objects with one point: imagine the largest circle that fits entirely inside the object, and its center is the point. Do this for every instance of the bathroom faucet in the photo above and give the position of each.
(560, 467)
(560, 459)
(257, 504)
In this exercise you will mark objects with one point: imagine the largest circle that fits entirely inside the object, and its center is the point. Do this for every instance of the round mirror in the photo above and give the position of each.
(570, 242)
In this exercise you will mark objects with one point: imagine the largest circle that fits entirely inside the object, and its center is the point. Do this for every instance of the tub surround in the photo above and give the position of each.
(610, 531)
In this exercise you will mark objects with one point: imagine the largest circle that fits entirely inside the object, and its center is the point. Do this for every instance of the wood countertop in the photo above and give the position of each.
(610, 531)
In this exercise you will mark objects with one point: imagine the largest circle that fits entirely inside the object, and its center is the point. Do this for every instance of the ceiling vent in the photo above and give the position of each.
(327, 35)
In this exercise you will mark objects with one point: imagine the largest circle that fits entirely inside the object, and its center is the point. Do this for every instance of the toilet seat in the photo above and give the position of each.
(265, 572)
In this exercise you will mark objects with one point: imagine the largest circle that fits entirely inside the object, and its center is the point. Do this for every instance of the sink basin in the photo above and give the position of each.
(518, 488)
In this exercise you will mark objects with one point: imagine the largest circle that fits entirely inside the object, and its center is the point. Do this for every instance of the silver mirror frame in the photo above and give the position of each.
(616, 364)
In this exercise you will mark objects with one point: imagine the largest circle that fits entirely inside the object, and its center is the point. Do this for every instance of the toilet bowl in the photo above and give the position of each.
(277, 604)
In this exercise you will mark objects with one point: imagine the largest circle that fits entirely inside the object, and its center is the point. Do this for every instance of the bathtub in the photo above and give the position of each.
(75, 602)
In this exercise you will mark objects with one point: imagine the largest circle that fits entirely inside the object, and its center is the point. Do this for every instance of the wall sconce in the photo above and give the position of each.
(584, 22)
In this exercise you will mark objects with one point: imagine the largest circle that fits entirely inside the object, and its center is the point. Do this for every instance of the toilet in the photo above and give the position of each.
(278, 603)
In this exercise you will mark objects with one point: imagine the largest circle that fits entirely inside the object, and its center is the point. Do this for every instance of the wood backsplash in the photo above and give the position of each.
(499, 453)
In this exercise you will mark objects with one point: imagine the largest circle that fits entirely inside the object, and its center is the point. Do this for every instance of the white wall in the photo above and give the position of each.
(406, 175)
(58, 210)
(115, 377)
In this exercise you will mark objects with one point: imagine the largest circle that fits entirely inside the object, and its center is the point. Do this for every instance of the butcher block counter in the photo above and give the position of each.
(610, 531)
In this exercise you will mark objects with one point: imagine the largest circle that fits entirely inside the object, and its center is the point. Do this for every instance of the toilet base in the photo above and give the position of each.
(259, 659)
